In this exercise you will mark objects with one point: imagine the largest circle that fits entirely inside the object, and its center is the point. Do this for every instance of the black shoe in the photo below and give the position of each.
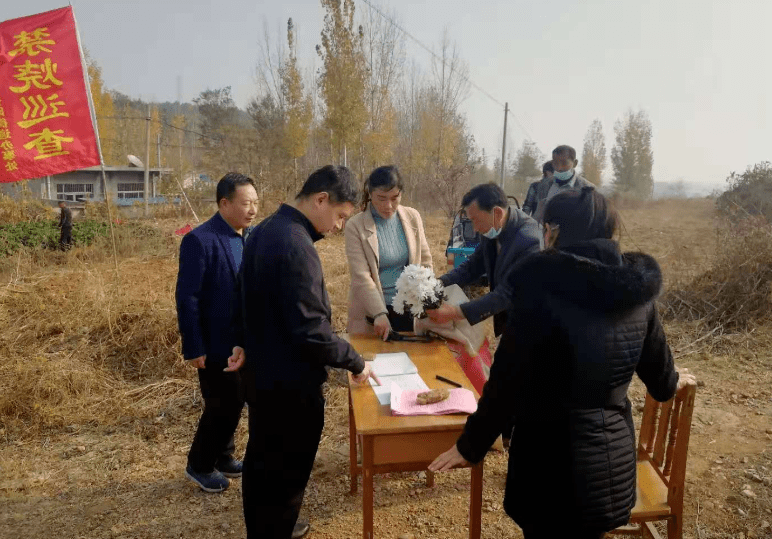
(301, 528)
(230, 468)
(209, 482)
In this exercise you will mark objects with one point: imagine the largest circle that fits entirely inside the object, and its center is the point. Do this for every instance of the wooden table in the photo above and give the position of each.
(404, 444)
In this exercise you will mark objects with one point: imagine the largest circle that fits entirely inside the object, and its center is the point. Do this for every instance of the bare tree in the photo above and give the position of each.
(451, 83)
(269, 66)
(594, 154)
(384, 48)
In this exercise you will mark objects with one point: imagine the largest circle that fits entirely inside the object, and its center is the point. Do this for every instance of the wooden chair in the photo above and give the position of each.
(662, 451)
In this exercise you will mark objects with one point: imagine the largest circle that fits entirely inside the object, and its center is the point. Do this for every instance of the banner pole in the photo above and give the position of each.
(94, 123)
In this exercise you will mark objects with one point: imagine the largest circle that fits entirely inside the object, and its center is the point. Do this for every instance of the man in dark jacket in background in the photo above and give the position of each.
(65, 223)
(507, 235)
(210, 257)
(532, 196)
(285, 341)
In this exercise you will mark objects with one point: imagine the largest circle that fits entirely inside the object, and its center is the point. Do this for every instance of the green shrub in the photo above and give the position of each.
(45, 234)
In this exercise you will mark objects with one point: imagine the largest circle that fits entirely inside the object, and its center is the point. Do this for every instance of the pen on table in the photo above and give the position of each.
(451, 382)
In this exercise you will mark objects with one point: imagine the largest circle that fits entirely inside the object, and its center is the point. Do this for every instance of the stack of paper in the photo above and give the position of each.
(396, 368)
(403, 402)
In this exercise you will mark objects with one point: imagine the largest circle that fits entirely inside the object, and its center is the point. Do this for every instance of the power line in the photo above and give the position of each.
(162, 122)
(435, 55)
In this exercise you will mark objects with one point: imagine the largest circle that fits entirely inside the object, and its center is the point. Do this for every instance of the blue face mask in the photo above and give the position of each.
(492, 234)
(563, 176)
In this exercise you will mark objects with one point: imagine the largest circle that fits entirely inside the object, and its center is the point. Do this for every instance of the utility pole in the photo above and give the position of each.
(158, 163)
(147, 163)
(504, 145)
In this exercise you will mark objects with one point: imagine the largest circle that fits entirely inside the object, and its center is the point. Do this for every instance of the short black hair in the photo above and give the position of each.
(386, 178)
(581, 215)
(565, 149)
(228, 184)
(63, 202)
(337, 181)
(547, 167)
(487, 196)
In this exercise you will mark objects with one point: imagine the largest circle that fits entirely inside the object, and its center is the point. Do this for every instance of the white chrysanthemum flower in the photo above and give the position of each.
(417, 290)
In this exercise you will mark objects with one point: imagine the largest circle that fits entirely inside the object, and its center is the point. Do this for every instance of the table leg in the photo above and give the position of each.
(429, 479)
(475, 501)
(367, 486)
(352, 446)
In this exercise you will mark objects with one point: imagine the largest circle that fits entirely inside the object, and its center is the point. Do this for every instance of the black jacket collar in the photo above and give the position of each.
(296, 215)
(593, 275)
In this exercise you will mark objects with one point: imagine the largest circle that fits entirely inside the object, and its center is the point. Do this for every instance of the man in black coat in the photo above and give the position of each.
(507, 235)
(531, 202)
(285, 342)
(65, 224)
(210, 257)
(586, 322)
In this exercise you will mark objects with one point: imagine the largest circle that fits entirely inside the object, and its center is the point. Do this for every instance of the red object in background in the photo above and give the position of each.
(184, 230)
(472, 366)
(45, 118)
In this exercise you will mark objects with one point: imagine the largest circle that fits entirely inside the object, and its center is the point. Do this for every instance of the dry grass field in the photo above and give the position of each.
(97, 409)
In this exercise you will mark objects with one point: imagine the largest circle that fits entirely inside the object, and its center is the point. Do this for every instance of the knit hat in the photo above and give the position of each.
(581, 215)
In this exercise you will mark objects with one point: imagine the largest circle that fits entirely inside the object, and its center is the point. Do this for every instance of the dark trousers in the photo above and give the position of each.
(65, 239)
(285, 427)
(223, 401)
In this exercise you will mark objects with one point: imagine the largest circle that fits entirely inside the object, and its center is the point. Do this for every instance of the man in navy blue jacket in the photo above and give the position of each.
(210, 257)
(507, 236)
(284, 332)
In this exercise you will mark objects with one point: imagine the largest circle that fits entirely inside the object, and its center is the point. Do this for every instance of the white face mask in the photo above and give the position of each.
(563, 176)
(492, 234)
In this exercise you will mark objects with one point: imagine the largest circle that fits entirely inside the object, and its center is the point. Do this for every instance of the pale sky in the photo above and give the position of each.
(699, 68)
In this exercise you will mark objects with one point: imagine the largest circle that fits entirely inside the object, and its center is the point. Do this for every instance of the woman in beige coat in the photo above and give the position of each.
(380, 242)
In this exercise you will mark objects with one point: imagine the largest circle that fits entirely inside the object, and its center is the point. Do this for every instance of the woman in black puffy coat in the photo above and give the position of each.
(583, 321)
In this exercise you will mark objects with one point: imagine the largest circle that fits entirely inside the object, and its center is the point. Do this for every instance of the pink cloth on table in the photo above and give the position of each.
(403, 402)
(472, 366)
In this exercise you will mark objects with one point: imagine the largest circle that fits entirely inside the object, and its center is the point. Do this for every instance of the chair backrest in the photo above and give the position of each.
(664, 439)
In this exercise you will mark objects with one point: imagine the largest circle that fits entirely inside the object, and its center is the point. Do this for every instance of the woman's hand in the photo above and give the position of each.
(448, 460)
(685, 377)
(382, 326)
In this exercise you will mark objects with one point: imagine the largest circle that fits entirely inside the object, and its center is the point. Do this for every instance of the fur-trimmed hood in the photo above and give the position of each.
(593, 275)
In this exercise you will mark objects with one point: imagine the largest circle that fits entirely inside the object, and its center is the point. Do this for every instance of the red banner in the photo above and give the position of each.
(45, 119)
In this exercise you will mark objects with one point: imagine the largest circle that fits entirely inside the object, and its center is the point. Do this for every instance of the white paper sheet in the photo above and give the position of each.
(393, 364)
(404, 382)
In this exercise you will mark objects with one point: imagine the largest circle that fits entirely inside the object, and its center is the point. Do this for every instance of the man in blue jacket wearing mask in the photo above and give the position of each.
(507, 235)
(210, 257)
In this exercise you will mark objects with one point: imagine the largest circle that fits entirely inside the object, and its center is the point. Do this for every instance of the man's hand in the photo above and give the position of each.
(199, 362)
(236, 360)
(445, 313)
(448, 460)
(382, 326)
(362, 377)
(685, 377)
